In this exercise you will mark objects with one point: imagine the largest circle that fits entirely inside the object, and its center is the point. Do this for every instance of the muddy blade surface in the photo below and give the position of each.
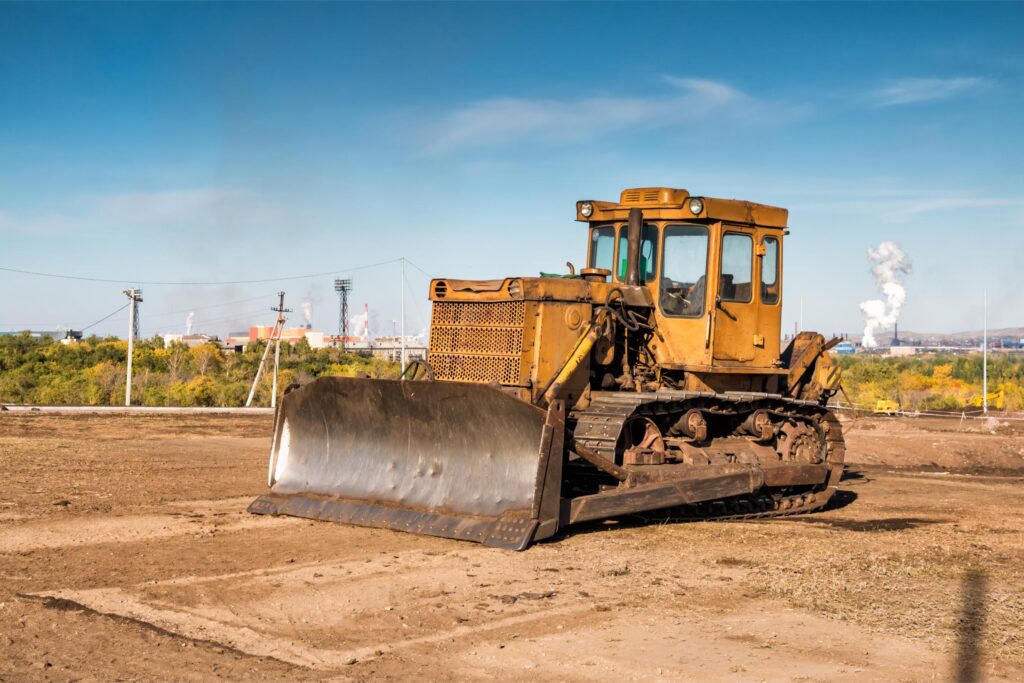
(441, 458)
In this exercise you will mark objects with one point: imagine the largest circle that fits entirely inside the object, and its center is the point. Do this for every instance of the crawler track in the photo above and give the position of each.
(599, 426)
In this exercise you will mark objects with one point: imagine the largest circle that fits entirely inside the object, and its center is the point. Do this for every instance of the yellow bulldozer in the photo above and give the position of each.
(652, 380)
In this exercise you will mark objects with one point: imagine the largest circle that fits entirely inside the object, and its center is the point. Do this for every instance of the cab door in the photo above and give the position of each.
(735, 304)
(769, 328)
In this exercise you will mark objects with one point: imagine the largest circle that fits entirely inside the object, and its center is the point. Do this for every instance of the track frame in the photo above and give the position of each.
(713, 491)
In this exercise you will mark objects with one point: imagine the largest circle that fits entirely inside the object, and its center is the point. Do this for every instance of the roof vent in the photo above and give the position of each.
(652, 195)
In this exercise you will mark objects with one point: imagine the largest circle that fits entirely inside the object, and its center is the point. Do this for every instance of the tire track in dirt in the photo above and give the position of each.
(204, 517)
(294, 614)
(117, 603)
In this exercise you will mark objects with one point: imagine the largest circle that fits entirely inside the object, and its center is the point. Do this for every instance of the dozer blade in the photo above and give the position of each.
(450, 459)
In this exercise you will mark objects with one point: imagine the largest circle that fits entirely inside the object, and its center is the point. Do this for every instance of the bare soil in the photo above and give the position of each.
(126, 554)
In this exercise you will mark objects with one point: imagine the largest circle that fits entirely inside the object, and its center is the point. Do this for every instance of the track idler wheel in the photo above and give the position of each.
(800, 442)
(644, 443)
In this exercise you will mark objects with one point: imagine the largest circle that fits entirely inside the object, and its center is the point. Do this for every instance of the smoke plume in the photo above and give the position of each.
(889, 264)
(363, 324)
(307, 312)
(188, 322)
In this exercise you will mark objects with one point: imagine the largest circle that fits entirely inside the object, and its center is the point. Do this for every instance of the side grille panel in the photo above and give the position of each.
(490, 314)
(478, 342)
(486, 341)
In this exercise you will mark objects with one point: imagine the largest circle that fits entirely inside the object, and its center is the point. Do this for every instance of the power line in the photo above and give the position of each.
(184, 310)
(418, 309)
(105, 317)
(203, 308)
(231, 316)
(234, 317)
(419, 269)
(198, 284)
(211, 283)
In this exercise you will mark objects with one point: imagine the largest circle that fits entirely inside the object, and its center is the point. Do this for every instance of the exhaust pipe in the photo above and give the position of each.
(633, 232)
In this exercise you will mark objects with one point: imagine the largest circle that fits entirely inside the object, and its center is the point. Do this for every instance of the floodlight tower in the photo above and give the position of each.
(343, 287)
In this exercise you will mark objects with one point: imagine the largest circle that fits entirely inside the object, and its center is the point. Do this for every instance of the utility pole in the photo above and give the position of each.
(984, 356)
(279, 325)
(134, 299)
(275, 336)
(402, 326)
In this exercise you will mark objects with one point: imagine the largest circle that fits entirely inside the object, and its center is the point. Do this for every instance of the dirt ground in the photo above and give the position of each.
(126, 554)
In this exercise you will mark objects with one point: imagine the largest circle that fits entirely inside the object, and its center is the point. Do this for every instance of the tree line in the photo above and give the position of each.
(934, 382)
(92, 371)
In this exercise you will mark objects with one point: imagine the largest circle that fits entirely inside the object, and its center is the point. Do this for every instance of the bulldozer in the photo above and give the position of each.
(652, 382)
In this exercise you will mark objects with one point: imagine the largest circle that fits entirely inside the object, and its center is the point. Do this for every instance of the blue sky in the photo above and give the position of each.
(206, 142)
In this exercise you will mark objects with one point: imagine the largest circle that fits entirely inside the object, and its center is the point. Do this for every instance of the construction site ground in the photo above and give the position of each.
(126, 554)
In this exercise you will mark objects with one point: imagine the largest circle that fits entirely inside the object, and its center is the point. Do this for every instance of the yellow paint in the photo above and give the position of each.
(529, 333)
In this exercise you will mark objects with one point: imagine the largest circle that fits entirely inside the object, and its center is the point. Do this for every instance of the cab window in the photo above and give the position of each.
(684, 267)
(648, 248)
(737, 267)
(770, 271)
(602, 247)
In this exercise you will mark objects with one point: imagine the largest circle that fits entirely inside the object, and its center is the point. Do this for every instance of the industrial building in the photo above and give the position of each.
(190, 340)
(390, 348)
(64, 336)
(385, 348)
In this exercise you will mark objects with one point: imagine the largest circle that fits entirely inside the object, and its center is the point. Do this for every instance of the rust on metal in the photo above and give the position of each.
(651, 379)
(399, 454)
(601, 463)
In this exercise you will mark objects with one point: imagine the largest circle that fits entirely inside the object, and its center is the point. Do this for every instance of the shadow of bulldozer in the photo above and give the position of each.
(970, 628)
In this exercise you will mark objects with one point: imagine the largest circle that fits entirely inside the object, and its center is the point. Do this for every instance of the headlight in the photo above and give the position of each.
(587, 209)
(696, 205)
(515, 289)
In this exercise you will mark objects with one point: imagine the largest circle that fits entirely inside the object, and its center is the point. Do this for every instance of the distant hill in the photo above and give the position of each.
(971, 334)
(907, 335)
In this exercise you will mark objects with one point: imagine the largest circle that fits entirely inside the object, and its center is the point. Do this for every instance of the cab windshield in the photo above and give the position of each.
(684, 269)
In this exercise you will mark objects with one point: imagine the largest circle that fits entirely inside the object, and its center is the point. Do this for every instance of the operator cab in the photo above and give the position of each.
(713, 267)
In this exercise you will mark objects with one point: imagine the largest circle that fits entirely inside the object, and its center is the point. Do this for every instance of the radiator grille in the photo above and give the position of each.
(489, 340)
(477, 342)
(491, 314)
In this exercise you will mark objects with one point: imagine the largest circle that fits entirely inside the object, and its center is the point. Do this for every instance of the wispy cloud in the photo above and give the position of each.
(198, 208)
(914, 90)
(506, 120)
(911, 208)
(904, 206)
(224, 206)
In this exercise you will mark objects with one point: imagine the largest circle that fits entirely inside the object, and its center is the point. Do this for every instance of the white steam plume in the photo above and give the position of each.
(188, 322)
(889, 263)
(360, 325)
(307, 312)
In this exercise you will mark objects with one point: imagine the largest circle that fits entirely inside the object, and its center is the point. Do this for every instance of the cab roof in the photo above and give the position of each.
(670, 203)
